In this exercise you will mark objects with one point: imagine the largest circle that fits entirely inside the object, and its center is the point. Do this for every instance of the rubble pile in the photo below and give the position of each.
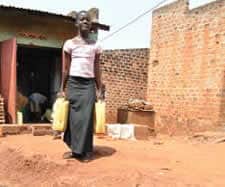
(138, 105)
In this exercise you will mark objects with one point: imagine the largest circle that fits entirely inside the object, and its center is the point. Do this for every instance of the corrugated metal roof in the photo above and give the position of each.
(34, 12)
(45, 13)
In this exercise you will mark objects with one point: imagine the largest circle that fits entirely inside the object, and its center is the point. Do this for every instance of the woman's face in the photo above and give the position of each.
(84, 22)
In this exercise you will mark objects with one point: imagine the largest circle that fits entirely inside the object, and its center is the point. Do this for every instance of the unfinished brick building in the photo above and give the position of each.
(187, 66)
(125, 74)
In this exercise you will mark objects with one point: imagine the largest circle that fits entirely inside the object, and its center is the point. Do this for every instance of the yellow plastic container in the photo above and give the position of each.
(100, 117)
(60, 114)
(19, 118)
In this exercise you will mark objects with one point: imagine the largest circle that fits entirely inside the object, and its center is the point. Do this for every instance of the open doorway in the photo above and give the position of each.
(38, 72)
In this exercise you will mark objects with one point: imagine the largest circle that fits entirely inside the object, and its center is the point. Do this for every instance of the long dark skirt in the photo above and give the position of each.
(79, 133)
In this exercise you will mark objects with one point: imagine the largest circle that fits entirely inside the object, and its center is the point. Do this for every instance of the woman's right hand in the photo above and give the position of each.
(61, 94)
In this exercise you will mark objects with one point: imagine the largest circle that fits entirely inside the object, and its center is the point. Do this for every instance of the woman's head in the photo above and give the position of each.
(84, 21)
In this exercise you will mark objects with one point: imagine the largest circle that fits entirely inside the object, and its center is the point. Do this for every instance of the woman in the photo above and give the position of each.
(82, 69)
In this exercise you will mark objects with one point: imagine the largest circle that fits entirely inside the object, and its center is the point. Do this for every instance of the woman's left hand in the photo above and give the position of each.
(101, 92)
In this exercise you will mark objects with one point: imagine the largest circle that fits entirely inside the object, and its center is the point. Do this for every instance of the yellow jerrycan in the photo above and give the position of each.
(60, 114)
(19, 118)
(100, 117)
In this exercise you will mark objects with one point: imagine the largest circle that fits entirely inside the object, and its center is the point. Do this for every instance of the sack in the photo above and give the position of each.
(100, 117)
(60, 114)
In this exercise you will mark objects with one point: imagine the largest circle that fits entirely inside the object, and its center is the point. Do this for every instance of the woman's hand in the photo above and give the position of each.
(101, 92)
(61, 94)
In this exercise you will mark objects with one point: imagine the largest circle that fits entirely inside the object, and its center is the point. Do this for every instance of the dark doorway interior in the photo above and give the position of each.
(38, 71)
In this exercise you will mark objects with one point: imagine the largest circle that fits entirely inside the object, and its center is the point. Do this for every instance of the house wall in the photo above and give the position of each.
(186, 75)
(46, 31)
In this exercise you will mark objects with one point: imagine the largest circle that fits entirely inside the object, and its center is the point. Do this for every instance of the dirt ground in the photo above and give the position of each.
(196, 161)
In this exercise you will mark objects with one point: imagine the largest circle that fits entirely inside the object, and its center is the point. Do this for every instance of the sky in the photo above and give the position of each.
(115, 13)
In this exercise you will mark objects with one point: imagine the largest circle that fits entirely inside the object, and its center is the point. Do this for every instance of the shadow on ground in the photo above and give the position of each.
(103, 151)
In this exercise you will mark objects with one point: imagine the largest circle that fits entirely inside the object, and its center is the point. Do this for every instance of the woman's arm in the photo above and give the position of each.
(65, 70)
(98, 79)
(98, 72)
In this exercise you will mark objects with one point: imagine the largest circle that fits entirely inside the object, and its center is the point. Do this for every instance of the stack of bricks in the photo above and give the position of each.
(2, 112)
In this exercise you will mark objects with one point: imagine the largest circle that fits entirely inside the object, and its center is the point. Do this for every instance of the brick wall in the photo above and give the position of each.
(125, 76)
(186, 77)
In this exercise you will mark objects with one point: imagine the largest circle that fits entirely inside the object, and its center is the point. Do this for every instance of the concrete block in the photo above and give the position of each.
(36, 130)
(12, 129)
(1, 132)
(143, 132)
(42, 129)
(130, 131)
